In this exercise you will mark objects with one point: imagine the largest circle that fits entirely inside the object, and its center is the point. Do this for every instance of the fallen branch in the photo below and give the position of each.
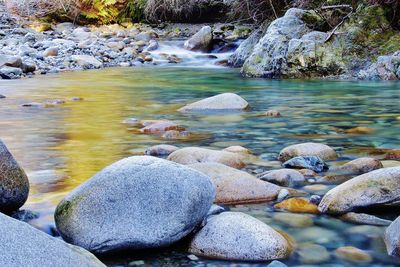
(338, 25)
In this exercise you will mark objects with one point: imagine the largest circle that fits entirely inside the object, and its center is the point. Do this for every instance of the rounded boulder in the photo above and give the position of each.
(136, 203)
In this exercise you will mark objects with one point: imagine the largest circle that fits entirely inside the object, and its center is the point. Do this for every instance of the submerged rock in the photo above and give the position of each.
(313, 163)
(294, 220)
(361, 166)
(161, 126)
(353, 254)
(307, 149)
(238, 236)
(298, 205)
(283, 177)
(87, 62)
(312, 254)
(201, 41)
(374, 188)
(354, 167)
(236, 187)
(221, 102)
(24, 245)
(362, 218)
(155, 202)
(160, 150)
(14, 184)
(392, 238)
(191, 155)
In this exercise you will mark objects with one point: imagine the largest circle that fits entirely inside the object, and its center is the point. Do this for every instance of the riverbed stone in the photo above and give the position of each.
(155, 202)
(392, 238)
(294, 220)
(353, 254)
(191, 155)
(237, 149)
(283, 177)
(221, 102)
(27, 246)
(307, 149)
(238, 236)
(236, 187)
(378, 187)
(360, 166)
(86, 61)
(160, 150)
(51, 52)
(161, 126)
(313, 254)
(362, 218)
(298, 205)
(313, 163)
(14, 184)
(201, 41)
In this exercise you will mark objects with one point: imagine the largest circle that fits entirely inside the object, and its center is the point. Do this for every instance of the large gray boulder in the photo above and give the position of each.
(238, 236)
(23, 245)
(14, 184)
(235, 186)
(290, 48)
(385, 68)
(392, 238)
(201, 41)
(221, 102)
(135, 203)
(268, 57)
(245, 49)
(378, 187)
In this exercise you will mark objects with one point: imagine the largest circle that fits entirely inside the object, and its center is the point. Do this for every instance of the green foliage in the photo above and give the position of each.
(133, 10)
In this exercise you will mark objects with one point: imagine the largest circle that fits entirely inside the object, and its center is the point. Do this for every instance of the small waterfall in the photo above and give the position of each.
(172, 52)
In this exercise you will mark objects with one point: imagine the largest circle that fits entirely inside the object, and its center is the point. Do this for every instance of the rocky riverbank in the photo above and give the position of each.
(45, 48)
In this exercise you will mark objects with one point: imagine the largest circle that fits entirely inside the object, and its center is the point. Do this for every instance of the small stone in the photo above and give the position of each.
(160, 150)
(272, 113)
(313, 163)
(2, 96)
(315, 199)
(237, 149)
(201, 41)
(131, 121)
(51, 52)
(362, 218)
(76, 98)
(307, 149)
(294, 220)
(283, 177)
(298, 205)
(161, 126)
(283, 194)
(191, 155)
(33, 104)
(24, 215)
(313, 254)
(353, 254)
(276, 264)
(137, 263)
(221, 102)
(193, 257)
(392, 238)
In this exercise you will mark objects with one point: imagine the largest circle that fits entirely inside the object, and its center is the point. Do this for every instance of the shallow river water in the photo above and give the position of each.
(63, 145)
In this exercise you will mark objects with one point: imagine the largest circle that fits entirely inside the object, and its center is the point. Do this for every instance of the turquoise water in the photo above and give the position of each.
(60, 146)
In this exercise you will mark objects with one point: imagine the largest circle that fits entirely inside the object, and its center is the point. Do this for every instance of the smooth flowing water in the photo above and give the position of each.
(61, 146)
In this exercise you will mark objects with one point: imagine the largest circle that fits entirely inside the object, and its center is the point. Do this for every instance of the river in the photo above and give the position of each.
(60, 146)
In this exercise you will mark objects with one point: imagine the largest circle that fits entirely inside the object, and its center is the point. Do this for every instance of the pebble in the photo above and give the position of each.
(313, 254)
(353, 254)
(294, 220)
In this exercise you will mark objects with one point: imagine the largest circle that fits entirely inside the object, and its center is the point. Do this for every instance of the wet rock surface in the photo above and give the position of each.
(237, 236)
(156, 203)
(14, 184)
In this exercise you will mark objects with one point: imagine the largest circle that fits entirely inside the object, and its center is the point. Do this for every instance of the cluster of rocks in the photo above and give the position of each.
(297, 45)
(65, 46)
